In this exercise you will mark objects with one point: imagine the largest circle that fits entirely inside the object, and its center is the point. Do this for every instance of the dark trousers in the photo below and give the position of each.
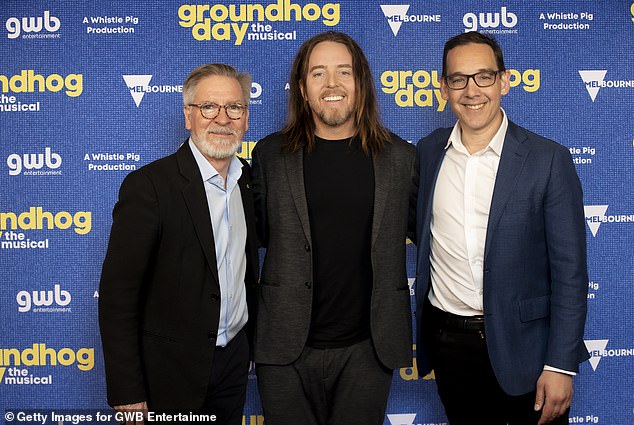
(227, 388)
(338, 386)
(466, 383)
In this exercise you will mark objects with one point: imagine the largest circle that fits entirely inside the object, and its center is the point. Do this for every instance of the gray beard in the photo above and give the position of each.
(218, 149)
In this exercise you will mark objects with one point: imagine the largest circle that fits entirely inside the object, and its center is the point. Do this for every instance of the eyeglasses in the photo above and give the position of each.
(211, 110)
(482, 79)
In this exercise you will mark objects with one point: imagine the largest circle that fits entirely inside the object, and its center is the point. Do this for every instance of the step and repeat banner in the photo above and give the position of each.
(91, 90)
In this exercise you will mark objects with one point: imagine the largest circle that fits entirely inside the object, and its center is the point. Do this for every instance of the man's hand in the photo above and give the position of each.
(134, 407)
(554, 393)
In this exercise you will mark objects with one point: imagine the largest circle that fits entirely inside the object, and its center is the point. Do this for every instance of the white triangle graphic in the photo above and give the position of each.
(592, 76)
(402, 419)
(134, 81)
(594, 345)
(399, 10)
(591, 211)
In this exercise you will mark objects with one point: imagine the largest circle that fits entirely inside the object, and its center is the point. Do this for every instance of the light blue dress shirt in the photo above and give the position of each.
(230, 236)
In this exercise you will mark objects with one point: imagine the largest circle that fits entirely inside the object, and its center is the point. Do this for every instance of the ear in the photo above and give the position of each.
(301, 89)
(187, 111)
(444, 90)
(505, 82)
(246, 120)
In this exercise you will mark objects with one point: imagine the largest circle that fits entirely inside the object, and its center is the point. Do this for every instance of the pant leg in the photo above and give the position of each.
(226, 393)
(466, 382)
(289, 395)
(359, 384)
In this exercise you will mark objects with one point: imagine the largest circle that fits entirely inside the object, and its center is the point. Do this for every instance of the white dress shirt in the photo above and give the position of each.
(230, 235)
(460, 214)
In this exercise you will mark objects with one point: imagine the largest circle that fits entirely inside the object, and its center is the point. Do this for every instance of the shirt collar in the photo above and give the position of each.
(496, 143)
(209, 173)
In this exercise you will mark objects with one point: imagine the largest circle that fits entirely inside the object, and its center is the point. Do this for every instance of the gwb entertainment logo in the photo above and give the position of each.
(42, 301)
(595, 81)
(35, 164)
(139, 85)
(32, 26)
(598, 350)
(396, 15)
(256, 93)
(489, 22)
(596, 215)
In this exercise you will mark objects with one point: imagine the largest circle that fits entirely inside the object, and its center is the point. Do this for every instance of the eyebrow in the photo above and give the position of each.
(479, 70)
(343, 65)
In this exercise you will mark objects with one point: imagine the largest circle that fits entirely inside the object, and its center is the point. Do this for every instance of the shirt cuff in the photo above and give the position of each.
(554, 369)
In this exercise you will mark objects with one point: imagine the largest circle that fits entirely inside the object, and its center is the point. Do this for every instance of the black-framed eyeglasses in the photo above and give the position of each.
(482, 79)
(211, 110)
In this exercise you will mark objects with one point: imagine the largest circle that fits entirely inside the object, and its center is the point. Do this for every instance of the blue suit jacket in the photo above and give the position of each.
(535, 276)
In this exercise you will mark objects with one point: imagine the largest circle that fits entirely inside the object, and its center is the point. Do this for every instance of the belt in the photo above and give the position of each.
(459, 323)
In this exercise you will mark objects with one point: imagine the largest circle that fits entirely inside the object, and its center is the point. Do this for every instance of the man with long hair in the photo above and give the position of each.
(333, 191)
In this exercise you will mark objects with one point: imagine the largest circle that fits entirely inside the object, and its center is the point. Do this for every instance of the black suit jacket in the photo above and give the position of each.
(159, 299)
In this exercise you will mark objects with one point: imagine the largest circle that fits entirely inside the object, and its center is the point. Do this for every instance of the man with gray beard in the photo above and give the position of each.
(182, 259)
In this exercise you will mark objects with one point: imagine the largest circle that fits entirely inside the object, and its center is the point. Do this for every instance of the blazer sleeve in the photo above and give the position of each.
(127, 267)
(566, 245)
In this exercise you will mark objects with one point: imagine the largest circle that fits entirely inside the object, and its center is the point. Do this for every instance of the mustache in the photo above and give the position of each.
(222, 130)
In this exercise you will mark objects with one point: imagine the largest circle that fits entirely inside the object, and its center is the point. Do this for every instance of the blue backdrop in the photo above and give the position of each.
(91, 90)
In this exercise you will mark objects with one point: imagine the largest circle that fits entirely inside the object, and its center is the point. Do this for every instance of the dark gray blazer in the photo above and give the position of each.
(285, 291)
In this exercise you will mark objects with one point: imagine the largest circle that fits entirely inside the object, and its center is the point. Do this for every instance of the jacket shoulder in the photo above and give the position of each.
(536, 141)
(398, 144)
(271, 143)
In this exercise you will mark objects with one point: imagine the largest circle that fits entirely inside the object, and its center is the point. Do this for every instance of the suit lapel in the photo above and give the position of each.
(382, 182)
(434, 160)
(514, 154)
(196, 201)
(295, 175)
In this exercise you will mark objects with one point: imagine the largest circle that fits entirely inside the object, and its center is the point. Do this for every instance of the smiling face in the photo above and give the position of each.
(329, 90)
(220, 137)
(477, 108)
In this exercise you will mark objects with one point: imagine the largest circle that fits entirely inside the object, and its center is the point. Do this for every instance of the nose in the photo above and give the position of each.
(222, 117)
(472, 88)
(332, 79)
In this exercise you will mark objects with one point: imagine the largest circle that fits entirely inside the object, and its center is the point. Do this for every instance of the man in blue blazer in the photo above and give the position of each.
(501, 270)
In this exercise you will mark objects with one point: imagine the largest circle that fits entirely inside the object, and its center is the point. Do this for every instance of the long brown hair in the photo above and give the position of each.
(300, 126)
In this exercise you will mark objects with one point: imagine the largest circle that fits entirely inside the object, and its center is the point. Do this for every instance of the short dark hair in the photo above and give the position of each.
(473, 37)
(300, 127)
(215, 69)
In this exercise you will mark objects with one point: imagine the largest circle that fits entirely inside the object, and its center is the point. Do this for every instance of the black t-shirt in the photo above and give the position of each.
(339, 183)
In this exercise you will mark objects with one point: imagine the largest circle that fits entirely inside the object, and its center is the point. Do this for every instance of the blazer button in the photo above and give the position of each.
(307, 247)
(308, 284)
(211, 335)
(215, 297)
